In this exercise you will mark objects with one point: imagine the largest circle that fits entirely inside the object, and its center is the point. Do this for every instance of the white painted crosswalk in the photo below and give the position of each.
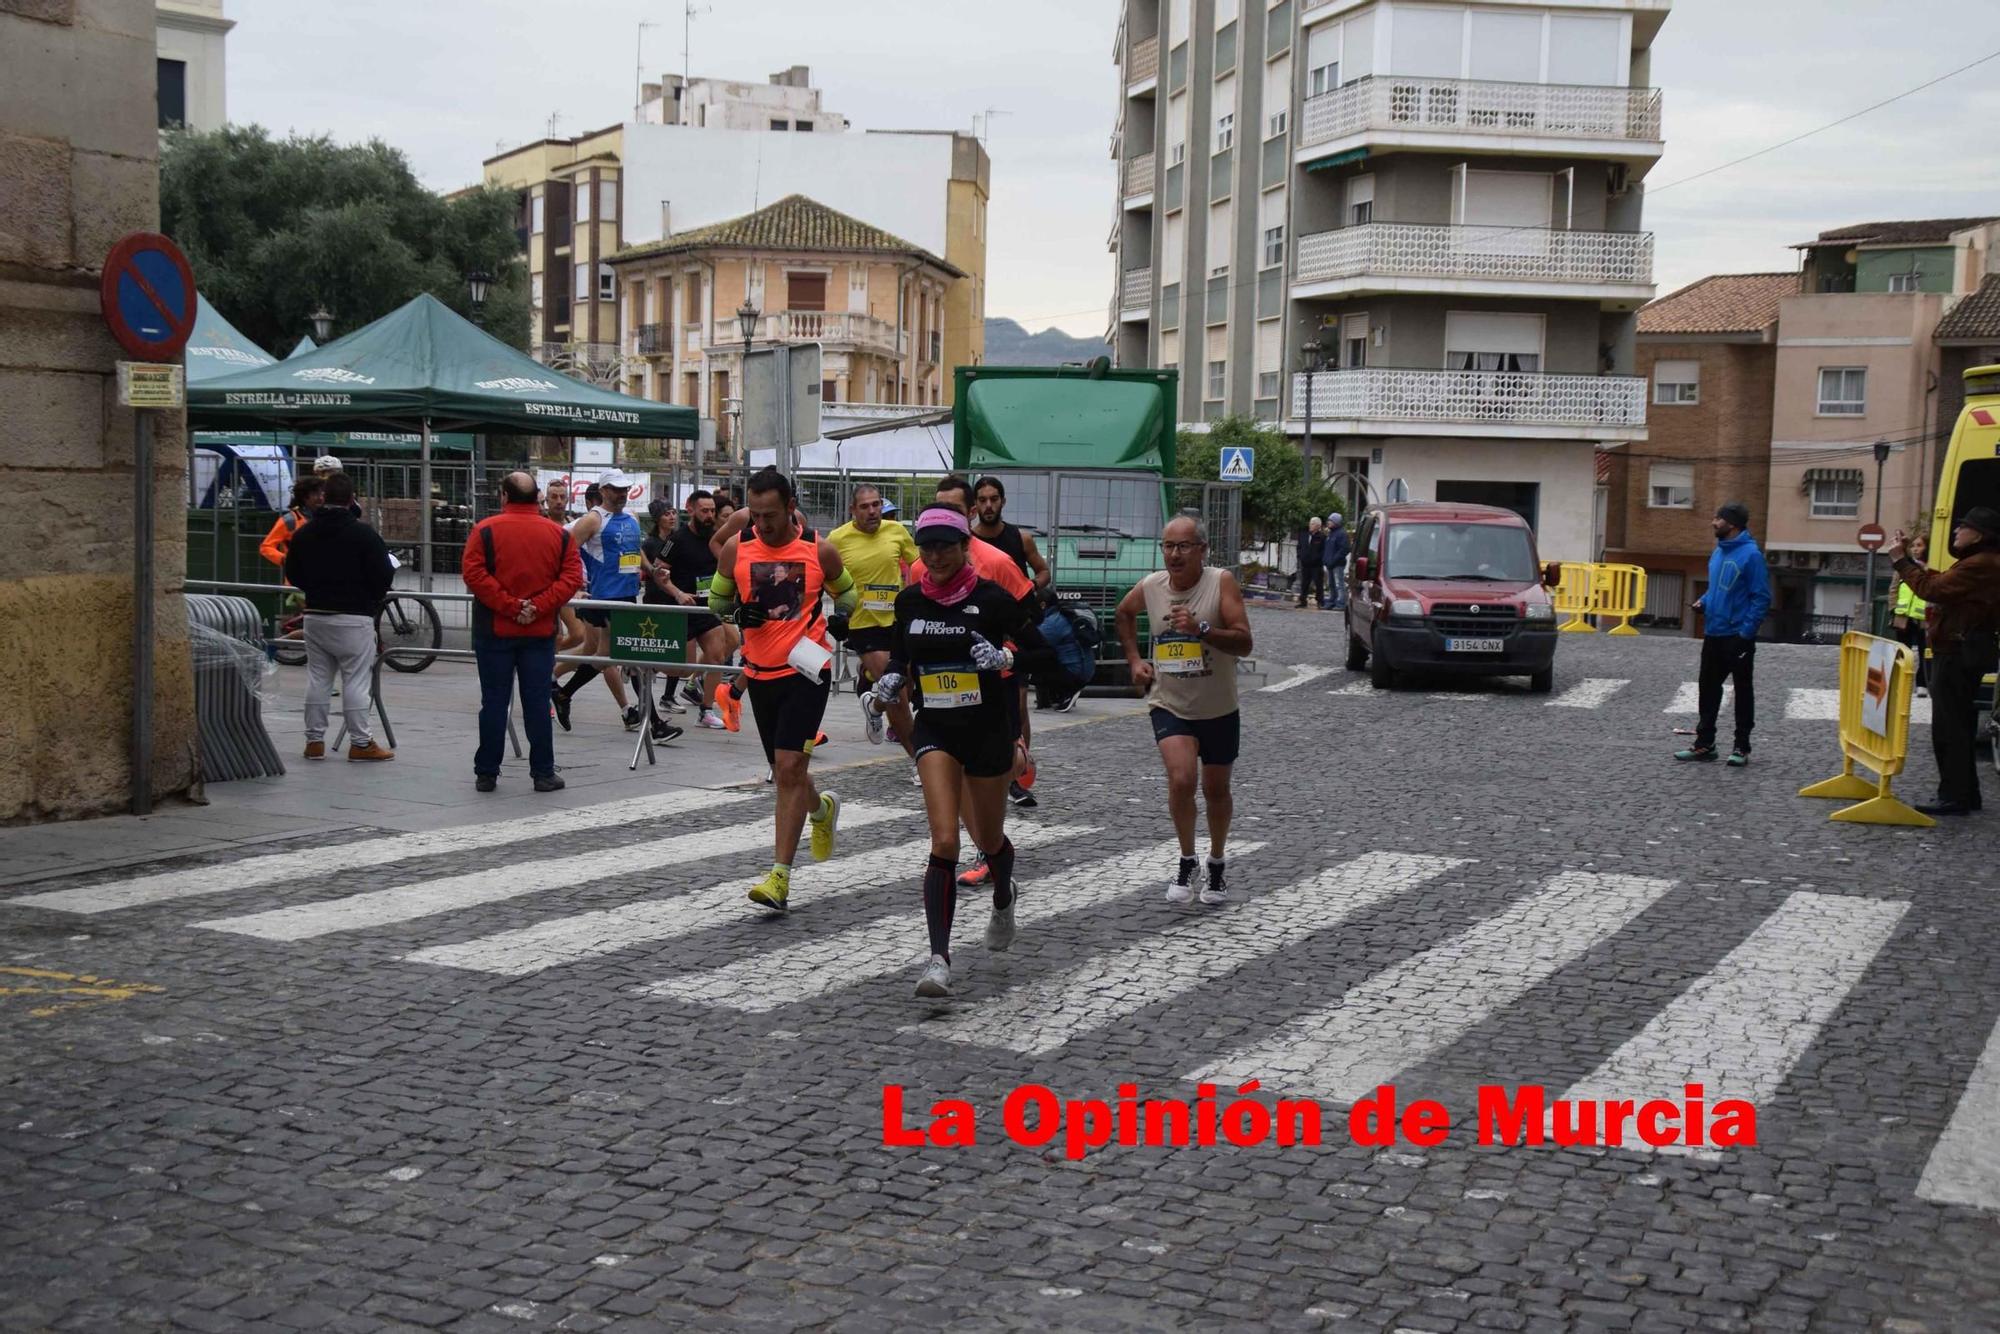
(1301, 673)
(1590, 693)
(812, 968)
(1046, 1014)
(1424, 1004)
(1687, 698)
(1964, 1166)
(530, 949)
(1823, 706)
(430, 898)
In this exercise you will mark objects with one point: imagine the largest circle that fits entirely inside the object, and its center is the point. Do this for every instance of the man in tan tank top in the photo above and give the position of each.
(1199, 628)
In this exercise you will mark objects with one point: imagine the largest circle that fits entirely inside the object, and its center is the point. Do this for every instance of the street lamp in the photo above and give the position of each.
(478, 281)
(322, 323)
(746, 323)
(1868, 603)
(1311, 354)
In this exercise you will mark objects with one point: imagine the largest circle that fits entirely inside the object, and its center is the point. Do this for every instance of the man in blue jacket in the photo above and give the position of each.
(1337, 548)
(1739, 593)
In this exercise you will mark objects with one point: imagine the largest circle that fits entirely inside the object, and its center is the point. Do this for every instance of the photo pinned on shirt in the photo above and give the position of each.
(778, 588)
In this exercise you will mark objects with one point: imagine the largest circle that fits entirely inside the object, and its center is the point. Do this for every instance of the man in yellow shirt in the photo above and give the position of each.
(878, 552)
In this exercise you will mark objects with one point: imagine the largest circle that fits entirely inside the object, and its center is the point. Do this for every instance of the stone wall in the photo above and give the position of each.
(79, 167)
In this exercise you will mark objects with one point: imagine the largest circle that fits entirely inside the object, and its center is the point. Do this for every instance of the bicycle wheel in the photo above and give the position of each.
(406, 622)
(289, 652)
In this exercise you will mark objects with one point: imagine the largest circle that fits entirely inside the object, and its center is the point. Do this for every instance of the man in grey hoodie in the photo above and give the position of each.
(1337, 548)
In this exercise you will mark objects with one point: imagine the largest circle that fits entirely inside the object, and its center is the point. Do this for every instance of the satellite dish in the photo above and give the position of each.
(1398, 492)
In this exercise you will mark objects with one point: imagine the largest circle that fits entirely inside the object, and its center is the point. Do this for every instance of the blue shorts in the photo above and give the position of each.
(1217, 739)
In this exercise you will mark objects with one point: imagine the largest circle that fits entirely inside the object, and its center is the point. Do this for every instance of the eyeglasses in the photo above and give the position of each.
(1172, 547)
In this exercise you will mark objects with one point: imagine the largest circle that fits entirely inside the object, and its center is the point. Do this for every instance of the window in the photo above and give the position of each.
(857, 287)
(1270, 357)
(1354, 341)
(777, 124)
(1218, 362)
(1277, 96)
(1906, 282)
(1274, 245)
(583, 201)
(171, 80)
(803, 126)
(1176, 155)
(1271, 226)
(1225, 130)
(1670, 486)
(1360, 201)
(1676, 382)
(1323, 59)
(607, 283)
(1170, 350)
(580, 283)
(537, 214)
(829, 391)
(1217, 375)
(1843, 391)
(535, 290)
(607, 201)
(1488, 341)
(1835, 497)
(1275, 126)
(1218, 239)
(805, 291)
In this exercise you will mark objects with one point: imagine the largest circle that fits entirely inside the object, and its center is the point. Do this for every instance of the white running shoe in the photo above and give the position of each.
(872, 721)
(1181, 888)
(713, 720)
(916, 776)
(936, 981)
(1215, 891)
(1000, 926)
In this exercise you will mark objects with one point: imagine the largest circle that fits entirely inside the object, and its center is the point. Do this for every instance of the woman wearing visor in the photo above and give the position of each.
(947, 649)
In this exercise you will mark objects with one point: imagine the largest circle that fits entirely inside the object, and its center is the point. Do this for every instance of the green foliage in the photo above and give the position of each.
(1280, 498)
(274, 228)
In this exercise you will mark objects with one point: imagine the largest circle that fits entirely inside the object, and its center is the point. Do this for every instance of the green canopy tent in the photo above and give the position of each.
(425, 366)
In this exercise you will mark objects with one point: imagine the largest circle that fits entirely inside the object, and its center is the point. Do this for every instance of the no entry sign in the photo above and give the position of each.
(1871, 537)
(148, 296)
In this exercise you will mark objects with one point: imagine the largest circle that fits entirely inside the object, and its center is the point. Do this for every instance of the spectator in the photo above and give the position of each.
(522, 567)
(1909, 622)
(342, 567)
(306, 494)
(1337, 548)
(1312, 563)
(1739, 593)
(1965, 645)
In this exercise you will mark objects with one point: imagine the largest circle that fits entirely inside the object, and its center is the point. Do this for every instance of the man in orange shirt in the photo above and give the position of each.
(305, 499)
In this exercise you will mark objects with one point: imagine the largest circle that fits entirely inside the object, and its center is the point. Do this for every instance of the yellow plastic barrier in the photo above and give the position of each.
(1875, 674)
(1572, 597)
(1619, 591)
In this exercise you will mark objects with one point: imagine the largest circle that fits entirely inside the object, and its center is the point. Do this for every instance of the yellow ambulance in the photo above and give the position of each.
(1971, 477)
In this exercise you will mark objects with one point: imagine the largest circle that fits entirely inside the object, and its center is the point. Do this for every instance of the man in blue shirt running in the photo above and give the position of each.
(608, 539)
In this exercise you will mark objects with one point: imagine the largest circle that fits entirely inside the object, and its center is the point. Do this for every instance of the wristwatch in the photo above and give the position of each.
(1201, 630)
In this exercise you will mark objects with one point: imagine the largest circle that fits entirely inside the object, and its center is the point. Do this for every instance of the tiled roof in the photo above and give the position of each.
(1720, 303)
(1910, 232)
(1977, 315)
(793, 223)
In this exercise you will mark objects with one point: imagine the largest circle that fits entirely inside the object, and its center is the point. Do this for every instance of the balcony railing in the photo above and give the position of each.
(828, 326)
(1518, 254)
(1139, 175)
(1394, 102)
(1486, 398)
(1136, 290)
(653, 340)
(1145, 61)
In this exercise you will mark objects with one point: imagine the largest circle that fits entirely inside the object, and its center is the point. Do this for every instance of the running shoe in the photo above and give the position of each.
(1021, 797)
(768, 776)
(1181, 888)
(713, 721)
(825, 826)
(772, 890)
(1738, 758)
(633, 718)
(1216, 890)
(936, 981)
(560, 703)
(730, 705)
(872, 722)
(1027, 778)
(664, 731)
(691, 691)
(977, 874)
(1700, 753)
(1069, 705)
(916, 776)
(1000, 926)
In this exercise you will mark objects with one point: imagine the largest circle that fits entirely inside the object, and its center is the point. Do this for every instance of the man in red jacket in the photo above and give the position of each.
(522, 568)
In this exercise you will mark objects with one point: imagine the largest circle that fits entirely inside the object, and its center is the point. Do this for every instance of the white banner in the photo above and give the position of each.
(1875, 693)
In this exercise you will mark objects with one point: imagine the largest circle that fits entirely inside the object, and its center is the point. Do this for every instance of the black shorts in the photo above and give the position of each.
(1010, 697)
(701, 622)
(873, 639)
(788, 710)
(598, 616)
(1217, 739)
(984, 752)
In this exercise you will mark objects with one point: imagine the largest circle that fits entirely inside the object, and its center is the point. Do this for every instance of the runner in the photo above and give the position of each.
(947, 648)
(608, 539)
(570, 633)
(770, 581)
(878, 553)
(1199, 630)
(989, 500)
(689, 572)
(662, 522)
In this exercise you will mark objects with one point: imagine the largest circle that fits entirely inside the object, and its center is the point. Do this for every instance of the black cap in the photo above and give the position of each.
(1983, 517)
(1736, 514)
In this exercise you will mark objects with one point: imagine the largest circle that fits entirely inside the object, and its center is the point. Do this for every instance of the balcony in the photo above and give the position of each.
(1135, 294)
(653, 340)
(1495, 261)
(1139, 179)
(864, 332)
(1145, 64)
(1413, 112)
(1518, 403)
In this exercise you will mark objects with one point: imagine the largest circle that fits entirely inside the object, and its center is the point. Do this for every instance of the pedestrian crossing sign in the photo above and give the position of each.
(1238, 463)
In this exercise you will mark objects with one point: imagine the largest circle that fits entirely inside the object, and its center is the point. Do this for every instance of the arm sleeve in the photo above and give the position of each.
(479, 580)
(721, 594)
(1758, 599)
(273, 546)
(846, 597)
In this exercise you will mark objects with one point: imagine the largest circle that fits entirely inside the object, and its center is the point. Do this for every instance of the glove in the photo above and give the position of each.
(990, 657)
(836, 625)
(749, 615)
(887, 687)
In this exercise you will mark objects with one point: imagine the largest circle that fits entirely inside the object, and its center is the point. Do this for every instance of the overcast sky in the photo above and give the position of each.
(450, 82)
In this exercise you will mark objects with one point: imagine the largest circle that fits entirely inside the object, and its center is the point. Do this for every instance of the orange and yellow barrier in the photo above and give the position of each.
(1617, 592)
(1876, 676)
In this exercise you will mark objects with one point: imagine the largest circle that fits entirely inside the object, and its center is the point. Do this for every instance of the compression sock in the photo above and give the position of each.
(940, 901)
(1001, 865)
(578, 680)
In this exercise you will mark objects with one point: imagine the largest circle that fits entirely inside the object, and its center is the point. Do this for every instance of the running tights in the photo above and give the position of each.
(940, 901)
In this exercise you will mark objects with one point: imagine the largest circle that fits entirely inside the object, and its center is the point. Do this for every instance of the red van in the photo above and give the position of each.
(1451, 589)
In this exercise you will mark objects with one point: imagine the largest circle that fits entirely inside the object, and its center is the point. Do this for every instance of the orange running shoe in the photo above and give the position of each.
(731, 709)
(978, 874)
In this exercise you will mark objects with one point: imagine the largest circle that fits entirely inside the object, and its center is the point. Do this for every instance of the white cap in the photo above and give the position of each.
(327, 463)
(621, 480)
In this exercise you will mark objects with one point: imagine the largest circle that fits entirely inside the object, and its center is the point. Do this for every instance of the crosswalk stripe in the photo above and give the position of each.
(282, 867)
(1687, 699)
(1742, 1026)
(1042, 1016)
(1302, 673)
(1402, 1015)
(530, 949)
(814, 967)
(1823, 706)
(428, 898)
(1589, 693)
(1964, 1166)
(1359, 690)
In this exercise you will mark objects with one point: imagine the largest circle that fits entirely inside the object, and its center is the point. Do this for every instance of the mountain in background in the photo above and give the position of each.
(1008, 344)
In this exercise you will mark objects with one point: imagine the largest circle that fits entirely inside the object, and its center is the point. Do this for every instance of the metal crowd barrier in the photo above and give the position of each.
(228, 718)
(1876, 677)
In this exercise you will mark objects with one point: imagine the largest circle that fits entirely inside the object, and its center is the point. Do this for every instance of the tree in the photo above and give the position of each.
(274, 229)
(1279, 498)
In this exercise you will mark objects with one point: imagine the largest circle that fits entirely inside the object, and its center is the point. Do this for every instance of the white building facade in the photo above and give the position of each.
(191, 41)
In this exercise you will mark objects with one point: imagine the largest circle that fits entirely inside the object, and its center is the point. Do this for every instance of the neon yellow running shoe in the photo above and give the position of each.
(825, 826)
(772, 890)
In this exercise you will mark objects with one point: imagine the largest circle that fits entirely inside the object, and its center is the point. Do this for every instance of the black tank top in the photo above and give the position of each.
(1009, 541)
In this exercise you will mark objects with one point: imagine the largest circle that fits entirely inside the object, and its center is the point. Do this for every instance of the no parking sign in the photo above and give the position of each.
(147, 295)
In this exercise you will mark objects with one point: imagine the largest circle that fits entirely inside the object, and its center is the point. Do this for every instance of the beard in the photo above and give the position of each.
(1960, 550)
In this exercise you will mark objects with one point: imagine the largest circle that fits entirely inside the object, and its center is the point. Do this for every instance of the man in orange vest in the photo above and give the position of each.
(305, 499)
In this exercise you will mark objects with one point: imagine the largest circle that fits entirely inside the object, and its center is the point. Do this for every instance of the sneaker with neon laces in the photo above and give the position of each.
(773, 890)
(825, 826)
(977, 874)
(1216, 890)
(713, 721)
(1181, 888)
(872, 722)
(935, 984)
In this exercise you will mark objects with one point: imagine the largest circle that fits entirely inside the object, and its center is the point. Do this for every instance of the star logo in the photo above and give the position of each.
(649, 629)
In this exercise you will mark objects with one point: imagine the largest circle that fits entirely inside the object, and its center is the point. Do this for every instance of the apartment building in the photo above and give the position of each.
(191, 63)
(786, 102)
(875, 302)
(1709, 352)
(1417, 225)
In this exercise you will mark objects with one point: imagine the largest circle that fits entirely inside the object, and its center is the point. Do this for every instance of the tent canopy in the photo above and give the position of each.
(216, 348)
(425, 363)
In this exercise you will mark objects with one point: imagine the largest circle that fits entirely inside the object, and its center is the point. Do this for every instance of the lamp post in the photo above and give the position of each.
(322, 323)
(747, 316)
(477, 282)
(1311, 355)
(1868, 603)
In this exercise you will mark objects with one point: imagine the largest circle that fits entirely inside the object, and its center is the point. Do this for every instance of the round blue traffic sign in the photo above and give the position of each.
(147, 295)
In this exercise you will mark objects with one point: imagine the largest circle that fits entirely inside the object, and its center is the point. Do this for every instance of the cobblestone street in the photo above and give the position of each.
(496, 1080)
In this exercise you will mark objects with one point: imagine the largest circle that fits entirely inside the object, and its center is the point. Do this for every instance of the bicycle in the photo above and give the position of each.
(403, 621)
